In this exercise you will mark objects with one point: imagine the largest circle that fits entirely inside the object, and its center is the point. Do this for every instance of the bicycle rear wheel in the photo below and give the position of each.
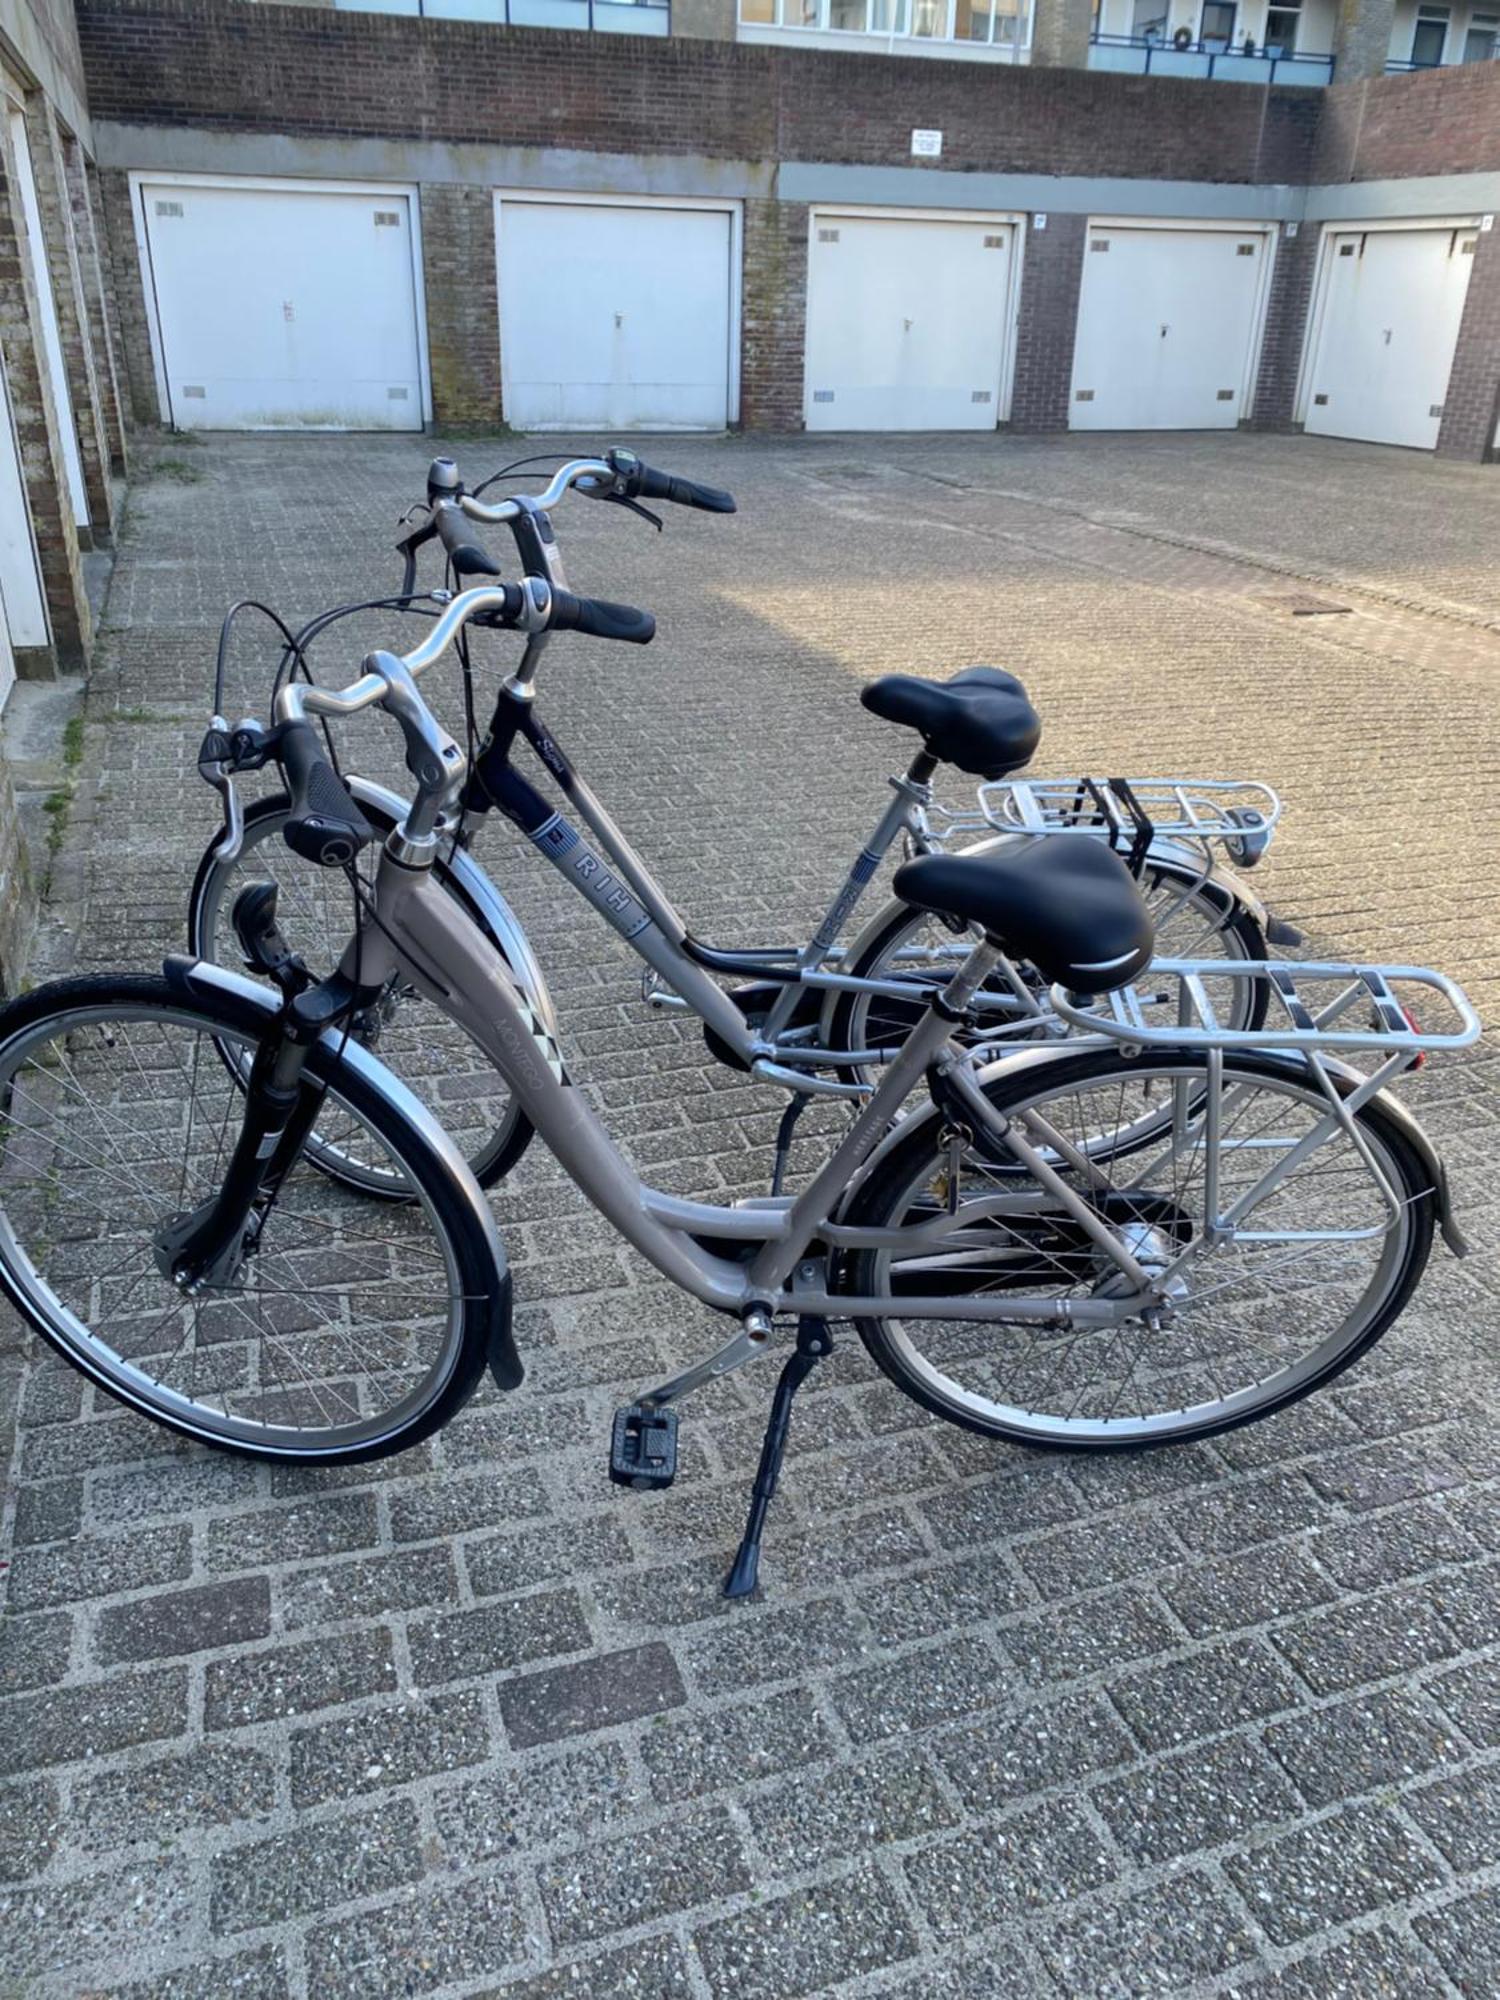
(410, 1035)
(343, 1334)
(1314, 1275)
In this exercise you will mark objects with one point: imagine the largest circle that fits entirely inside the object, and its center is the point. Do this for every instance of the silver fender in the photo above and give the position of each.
(1169, 853)
(1042, 1053)
(496, 915)
(201, 975)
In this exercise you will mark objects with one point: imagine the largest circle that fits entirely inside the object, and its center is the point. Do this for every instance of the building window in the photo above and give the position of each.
(1217, 30)
(1148, 23)
(1282, 24)
(1429, 37)
(1483, 38)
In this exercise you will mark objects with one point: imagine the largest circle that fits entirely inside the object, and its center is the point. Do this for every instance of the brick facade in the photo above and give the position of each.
(1471, 410)
(306, 72)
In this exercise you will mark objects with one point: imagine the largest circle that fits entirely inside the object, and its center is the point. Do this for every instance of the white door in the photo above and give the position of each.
(284, 308)
(1389, 326)
(23, 613)
(907, 322)
(47, 309)
(1166, 320)
(614, 317)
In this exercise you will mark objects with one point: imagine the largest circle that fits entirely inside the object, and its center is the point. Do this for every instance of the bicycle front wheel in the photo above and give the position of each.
(337, 1337)
(1255, 1315)
(410, 1035)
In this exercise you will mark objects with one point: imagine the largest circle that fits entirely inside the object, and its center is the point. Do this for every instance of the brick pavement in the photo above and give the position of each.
(1215, 1721)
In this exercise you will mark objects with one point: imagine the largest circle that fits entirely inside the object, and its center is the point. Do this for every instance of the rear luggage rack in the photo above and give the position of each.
(1320, 1007)
(1130, 812)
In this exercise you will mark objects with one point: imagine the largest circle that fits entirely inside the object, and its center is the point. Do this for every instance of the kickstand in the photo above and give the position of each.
(794, 1110)
(813, 1342)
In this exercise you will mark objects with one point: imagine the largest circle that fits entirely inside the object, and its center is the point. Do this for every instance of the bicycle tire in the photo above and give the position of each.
(59, 1016)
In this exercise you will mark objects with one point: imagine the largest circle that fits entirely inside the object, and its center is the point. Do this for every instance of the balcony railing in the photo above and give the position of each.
(620, 17)
(1147, 55)
(970, 27)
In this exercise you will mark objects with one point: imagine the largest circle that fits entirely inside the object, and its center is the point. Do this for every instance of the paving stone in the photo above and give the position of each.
(525, 1556)
(388, 1745)
(1204, 1693)
(935, 1685)
(666, 1596)
(1331, 1871)
(63, 1927)
(419, 1941)
(1368, 1963)
(31, 1828)
(1471, 1696)
(1468, 1602)
(1461, 1816)
(112, 1441)
(1367, 1641)
(652, 1969)
(1382, 1474)
(1003, 1507)
(1116, 1479)
(1251, 1587)
(60, 1725)
(701, 1751)
(461, 1645)
(458, 1505)
(328, 1526)
(1242, 1512)
(590, 1694)
(993, 1873)
(409, 1580)
(1090, 1556)
(532, 1804)
(1200, 1798)
(1001, 1969)
(1154, 1942)
(972, 1590)
(882, 1538)
(805, 1942)
(1359, 1744)
(171, 1486)
(156, 1802)
(34, 1651)
(250, 1975)
(184, 1621)
(1314, 1426)
(1464, 1937)
(639, 1877)
(1091, 1637)
(48, 1512)
(320, 1864)
(852, 1810)
(774, 1646)
(1051, 1743)
(98, 1566)
(293, 1680)
(1385, 1548)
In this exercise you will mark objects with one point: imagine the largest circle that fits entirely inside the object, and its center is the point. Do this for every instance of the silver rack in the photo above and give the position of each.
(1238, 811)
(1313, 1006)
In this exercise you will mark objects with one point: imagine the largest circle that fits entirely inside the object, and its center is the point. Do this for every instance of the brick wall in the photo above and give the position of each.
(1051, 277)
(1471, 408)
(775, 315)
(17, 892)
(463, 326)
(1286, 328)
(219, 63)
(1441, 121)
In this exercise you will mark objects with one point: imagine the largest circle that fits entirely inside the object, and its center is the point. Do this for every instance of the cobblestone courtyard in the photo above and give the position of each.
(1222, 1720)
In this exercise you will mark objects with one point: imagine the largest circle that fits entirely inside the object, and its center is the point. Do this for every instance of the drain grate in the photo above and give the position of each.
(1300, 605)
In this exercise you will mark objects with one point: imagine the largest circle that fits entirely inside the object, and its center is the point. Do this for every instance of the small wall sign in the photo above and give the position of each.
(926, 145)
(1292, 228)
(1039, 220)
(1486, 224)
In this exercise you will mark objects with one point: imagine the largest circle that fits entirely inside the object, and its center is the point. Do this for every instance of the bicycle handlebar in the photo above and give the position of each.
(326, 826)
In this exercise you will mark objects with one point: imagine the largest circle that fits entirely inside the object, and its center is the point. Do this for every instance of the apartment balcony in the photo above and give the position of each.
(974, 30)
(1142, 55)
(620, 17)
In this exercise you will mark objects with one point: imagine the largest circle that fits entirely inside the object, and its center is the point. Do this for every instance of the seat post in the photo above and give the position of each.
(919, 771)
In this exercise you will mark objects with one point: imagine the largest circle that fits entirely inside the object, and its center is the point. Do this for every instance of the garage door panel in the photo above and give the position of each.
(614, 317)
(285, 309)
(907, 323)
(1166, 321)
(1392, 305)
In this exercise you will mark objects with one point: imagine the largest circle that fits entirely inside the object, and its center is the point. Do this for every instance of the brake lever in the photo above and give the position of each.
(624, 500)
(216, 766)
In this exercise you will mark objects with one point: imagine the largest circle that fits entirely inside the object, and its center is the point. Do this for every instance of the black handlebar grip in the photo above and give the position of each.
(682, 492)
(596, 615)
(466, 556)
(325, 826)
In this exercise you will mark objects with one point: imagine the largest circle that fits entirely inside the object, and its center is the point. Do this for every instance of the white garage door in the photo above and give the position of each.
(907, 323)
(1388, 329)
(614, 317)
(1166, 319)
(284, 308)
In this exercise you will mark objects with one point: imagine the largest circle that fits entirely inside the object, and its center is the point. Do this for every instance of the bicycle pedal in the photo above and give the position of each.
(643, 1447)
